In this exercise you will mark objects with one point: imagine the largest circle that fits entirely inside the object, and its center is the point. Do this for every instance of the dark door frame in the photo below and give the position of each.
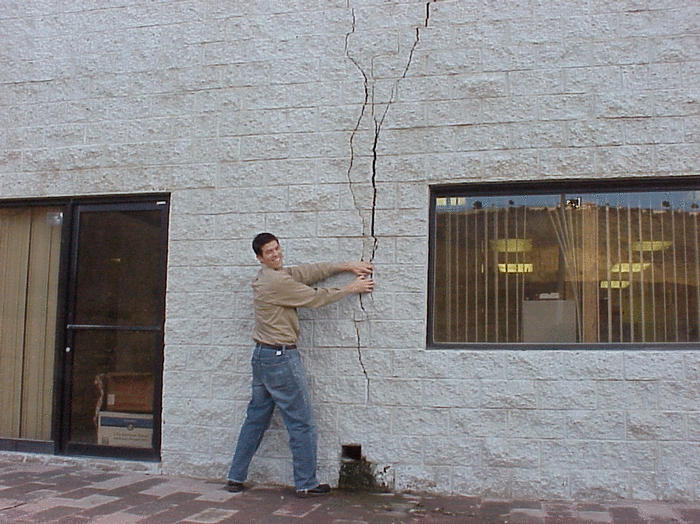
(66, 300)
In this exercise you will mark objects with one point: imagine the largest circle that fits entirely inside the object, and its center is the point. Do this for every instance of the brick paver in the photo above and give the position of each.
(31, 492)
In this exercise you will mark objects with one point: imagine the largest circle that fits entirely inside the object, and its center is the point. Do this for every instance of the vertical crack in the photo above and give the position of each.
(357, 125)
(378, 127)
(354, 197)
(378, 123)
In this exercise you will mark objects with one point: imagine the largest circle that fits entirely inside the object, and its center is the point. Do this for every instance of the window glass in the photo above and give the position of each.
(112, 388)
(120, 253)
(567, 267)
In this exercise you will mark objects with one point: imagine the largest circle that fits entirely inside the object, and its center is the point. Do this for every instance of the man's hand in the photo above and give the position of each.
(361, 285)
(360, 268)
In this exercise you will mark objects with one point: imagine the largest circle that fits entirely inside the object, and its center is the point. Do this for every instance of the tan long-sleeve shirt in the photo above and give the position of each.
(277, 294)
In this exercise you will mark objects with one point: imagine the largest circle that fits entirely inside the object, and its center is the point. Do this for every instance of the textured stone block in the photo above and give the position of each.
(454, 449)
(534, 364)
(231, 332)
(383, 449)
(567, 162)
(598, 365)
(598, 485)
(678, 395)
(625, 159)
(411, 251)
(621, 456)
(356, 422)
(586, 133)
(338, 333)
(396, 334)
(510, 453)
(565, 394)
(538, 82)
(624, 105)
(537, 134)
(572, 455)
(471, 423)
(264, 147)
(187, 330)
(451, 393)
(549, 483)
(627, 394)
(397, 392)
(339, 224)
(341, 390)
(596, 425)
(653, 365)
(184, 384)
(499, 165)
(675, 457)
(481, 481)
(514, 394)
(541, 424)
(655, 425)
(427, 421)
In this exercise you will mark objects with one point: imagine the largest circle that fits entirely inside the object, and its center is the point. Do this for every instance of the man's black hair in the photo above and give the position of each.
(260, 240)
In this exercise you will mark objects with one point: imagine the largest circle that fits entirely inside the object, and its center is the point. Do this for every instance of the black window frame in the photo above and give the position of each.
(545, 186)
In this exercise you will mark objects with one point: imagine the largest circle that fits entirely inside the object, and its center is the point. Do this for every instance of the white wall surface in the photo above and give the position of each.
(325, 121)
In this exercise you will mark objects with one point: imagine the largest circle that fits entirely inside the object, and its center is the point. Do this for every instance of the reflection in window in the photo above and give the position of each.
(582, 267)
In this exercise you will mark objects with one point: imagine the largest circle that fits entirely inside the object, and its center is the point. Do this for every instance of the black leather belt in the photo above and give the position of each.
(278, 348)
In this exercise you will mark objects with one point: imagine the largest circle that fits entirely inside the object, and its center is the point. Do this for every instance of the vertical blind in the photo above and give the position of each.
(29, 263)
(599, 268)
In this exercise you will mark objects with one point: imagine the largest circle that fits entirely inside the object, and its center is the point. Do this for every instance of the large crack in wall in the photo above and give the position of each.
(368, 100)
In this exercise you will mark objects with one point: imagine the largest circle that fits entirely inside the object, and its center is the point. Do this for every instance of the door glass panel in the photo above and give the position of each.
(112, 398)
(30, 240)
(115, 335)
(118, 267)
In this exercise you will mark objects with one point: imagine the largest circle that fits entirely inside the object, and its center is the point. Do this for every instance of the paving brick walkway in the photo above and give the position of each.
(37, 491)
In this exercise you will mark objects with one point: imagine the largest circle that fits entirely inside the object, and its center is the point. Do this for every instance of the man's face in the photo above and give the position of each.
(271, 255)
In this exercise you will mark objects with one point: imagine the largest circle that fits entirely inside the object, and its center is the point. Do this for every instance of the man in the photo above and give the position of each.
(278, 374)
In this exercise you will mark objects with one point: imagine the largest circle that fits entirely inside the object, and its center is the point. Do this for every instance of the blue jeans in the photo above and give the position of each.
(278, 380)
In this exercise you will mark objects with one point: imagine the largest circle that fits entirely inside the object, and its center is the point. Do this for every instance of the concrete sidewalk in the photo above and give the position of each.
(37, 490)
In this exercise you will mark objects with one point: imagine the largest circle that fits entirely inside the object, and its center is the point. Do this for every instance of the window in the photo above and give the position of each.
(612, 263)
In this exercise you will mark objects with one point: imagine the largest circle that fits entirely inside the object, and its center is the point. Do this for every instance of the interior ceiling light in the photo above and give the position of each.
(515, 268)
(626, 267)
(512, 245)
(614, 284)
(651, 245)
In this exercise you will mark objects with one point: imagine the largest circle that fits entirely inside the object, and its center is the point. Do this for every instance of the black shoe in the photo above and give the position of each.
(235, 487)
(321, 489)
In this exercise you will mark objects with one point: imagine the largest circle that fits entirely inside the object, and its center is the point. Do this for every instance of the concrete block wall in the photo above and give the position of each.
(325, 121)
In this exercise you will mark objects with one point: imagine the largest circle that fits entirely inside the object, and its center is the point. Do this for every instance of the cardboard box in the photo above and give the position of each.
(132, 430)
(129, 392)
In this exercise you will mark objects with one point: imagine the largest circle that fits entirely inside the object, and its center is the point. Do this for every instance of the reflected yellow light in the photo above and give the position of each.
(651, 245)
(614, 284)
(626, 267)
(450, 201)
(515, 268)
(512, 245)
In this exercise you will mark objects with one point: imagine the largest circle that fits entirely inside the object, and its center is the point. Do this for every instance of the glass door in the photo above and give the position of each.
(114, 329)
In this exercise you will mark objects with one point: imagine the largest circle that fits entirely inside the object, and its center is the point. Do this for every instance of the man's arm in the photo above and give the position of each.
(311, 273)
(285, 291)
